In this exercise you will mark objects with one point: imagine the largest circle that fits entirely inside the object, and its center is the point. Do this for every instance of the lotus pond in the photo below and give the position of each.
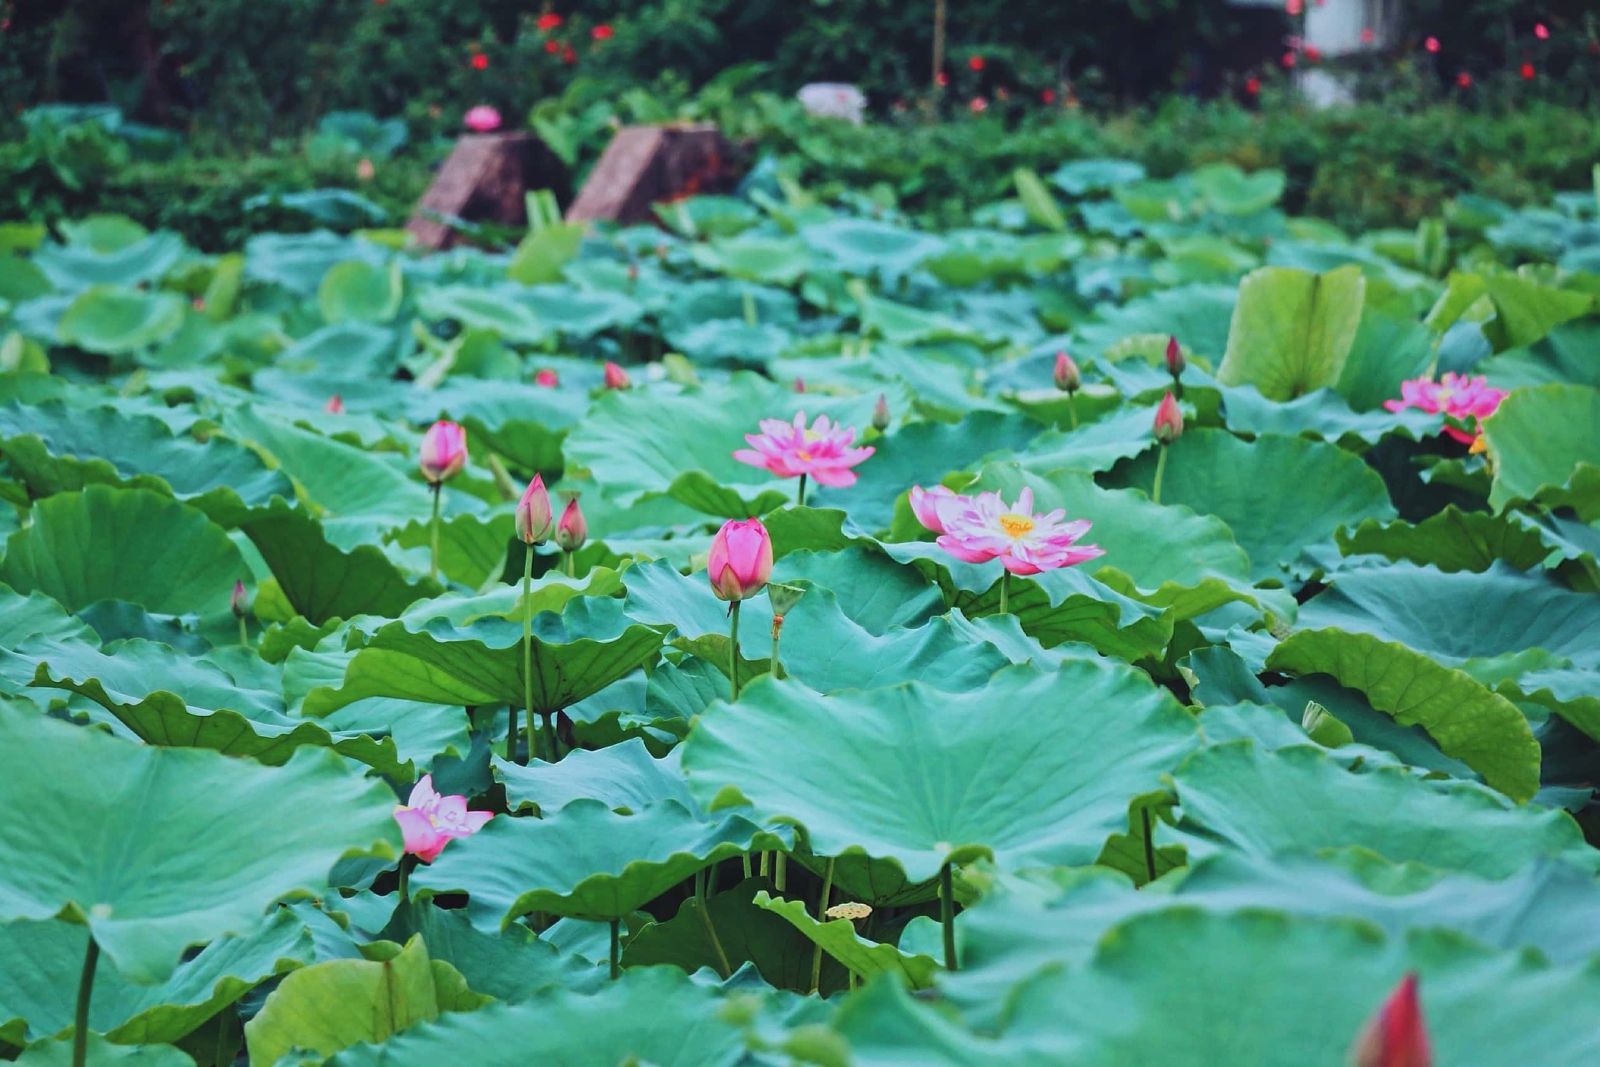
(1147, 629)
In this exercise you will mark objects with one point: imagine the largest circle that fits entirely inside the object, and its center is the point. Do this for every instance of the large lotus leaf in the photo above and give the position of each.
(653, 1015)
(78, 265)
(1524, 309)
(347, 352)
(1320, 413)
(838, 937)
(1461, 616)
(509, 964)
(1095, 447)
(124, 544)
(147, 868)
(360, 292)
(1292, 330)
(320, 580)
(1452, 540)
(862, 246)
(111, 321)
(1483, 1007)
(576, 653)
(625, 777)
(38, 988)
(1233, 795)
(55, 448)
(102, 1053)
(1096, 175)
(925, 777)
(1198, 315)
(500, 310)
(1545, 440)
(299, 261)
(873, 590)
(338, 1003)
(1279, 495)
(585, 861)
(36, 617)
(1390, 347)
(472, 548)
(1231, 191)
(773, 260)
(1470, 723)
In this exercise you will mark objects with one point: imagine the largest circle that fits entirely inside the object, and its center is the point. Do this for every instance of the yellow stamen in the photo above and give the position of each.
(1479, 446)
(805, 454)
(1015, 525)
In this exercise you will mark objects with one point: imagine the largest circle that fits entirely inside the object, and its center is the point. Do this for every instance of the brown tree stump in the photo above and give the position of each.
(644, 165)
(484, 180)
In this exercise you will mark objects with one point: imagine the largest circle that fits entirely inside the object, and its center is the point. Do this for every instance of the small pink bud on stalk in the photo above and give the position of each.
(738, 566)
(616, 377)
(335, 405)
(442, 455)
(1175, 360)
(534, 522)
(1168, 428)
(534, 518)
(1396, 1036)
(546, 379)
(239, 603)
(1067, 376)
(571, 532)
(880, 414)
(799, 385)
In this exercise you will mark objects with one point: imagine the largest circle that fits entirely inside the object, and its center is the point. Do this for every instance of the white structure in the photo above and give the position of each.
(834, 100)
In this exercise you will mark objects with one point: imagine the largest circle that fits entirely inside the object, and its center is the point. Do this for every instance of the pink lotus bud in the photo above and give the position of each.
(366, 171)
(1396, 1036)
(240, 602)
(616, 377)
(799, 385)
(740, 561)
(880, 414)
(572, 531)
(335, 405)
(1068, 378)
(1169, 421)
(534, 517)
(482, 119)
(546, 378)
(1175, 360)
(443, 452)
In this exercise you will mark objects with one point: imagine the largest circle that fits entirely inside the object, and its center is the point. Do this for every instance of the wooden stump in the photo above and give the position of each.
(644, 165)
(484, 180)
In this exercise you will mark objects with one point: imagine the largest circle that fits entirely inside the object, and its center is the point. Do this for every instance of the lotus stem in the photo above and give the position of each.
(733, 647)
(433, 535)
(244, 633)
(1072, 410)
(404, 880)
(777, 629)
(616, 949)
(746, 861)
(527, 661)
(548, 718)
(782, 875)
(80, 1018)
(800, 497)
(766, 863)
(750, 316)
(947, 916)
(822, 913)
(569, 564)
(703, 906)
(1161, 467)
(1005, 591)
(1149, 846)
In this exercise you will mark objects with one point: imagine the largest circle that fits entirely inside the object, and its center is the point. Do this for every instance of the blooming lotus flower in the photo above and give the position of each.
(740, 561)
(546, 378)
(1067, 376)
(482, 119)
(790, 450)
(981, 528)
(335, 405)
(1455, 396)
(430, 821)
(1396, 1036)
(443, 452)
(1169, 421)
(615, 376)
(534, 518)
(573, 530)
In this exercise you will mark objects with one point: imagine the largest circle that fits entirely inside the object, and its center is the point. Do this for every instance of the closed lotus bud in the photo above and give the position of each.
(1169, 421)
(880, 414)
(546, 378)
(741, 559)
(1175, 361)
(239, 603)
(443, 452)
(616, 377)
(335, 405)
(1068, 378)
(1396, 1036)
(572, 531)
(534, 518)
(799, 385)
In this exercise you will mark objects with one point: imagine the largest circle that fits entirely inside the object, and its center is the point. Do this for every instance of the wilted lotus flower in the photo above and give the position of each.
(335, 405)
(740, 561)
(981, 528)
(1067, 376)
(616, 377)
(1455, 396)
(430, 821)
(443, 452)
(572, 531)
(482, 119)
(1169, 421)
(1396, 1036)
(534, 518)
(546, 378)
(791, 450)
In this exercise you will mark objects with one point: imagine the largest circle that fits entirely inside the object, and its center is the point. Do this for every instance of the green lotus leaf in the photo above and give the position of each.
(1095, 447)
(1279, 495)
(1233, 192)
(510, 964)
(498, 310)
(1451, 539)
(863, 246)
(1096, 175)
(1292, 330)
(543, 252)
(1231, 795)
(124, 544)
(1198, 315)
(585, 861)
(148, 870)
(299, 261)
(360, 292)
(839, 939)
(113, 321)
(78, 265)
(1320, 413)
(625, 777)
(1544, 441)
(924, 778)
(102, 1053)
(772, 260)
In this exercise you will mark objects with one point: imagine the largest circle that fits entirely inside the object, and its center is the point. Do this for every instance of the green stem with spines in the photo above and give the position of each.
(1072, 410)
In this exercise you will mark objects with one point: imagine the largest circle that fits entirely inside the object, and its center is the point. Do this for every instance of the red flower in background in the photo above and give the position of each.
(603, 32)
(1541, 31)
(1368, 35)
(1048, 96)
(552, 46)
(1294, 7)
(1432, 45)
(941, 79)
(1313, 53)
(979, 105)
(976, 63)
(1528, 72)
(568, 56)
(1464, 80)
(1253, 86)
(480, 61)
(1289, 59)
(548, 21)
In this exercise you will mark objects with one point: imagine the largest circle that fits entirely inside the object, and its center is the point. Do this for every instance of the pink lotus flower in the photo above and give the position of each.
(546, 378)
(534, 518)
(335, 405)
(573, 530)
(740, 561)
(1396, 1036)
(482, 119)
(1169, 421)
(981, 528)
(1432, 45)
(790, 450)
(1455, 396)
(616, 377)
(443, 452)
(1067, 376)
(1541, 31)
(430, 821)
